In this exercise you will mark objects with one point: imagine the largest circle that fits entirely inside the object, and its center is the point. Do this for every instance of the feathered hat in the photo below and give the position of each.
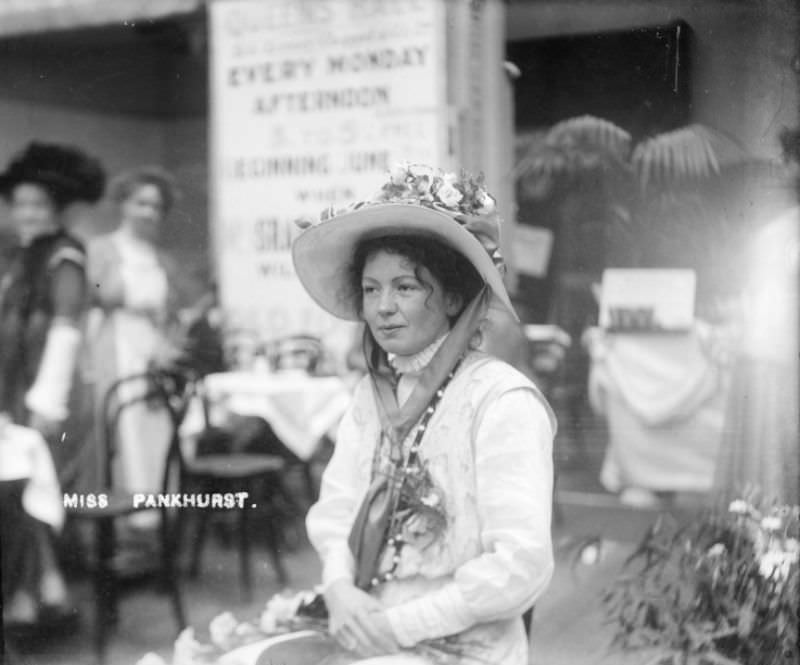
(417, 200)
(67, 173)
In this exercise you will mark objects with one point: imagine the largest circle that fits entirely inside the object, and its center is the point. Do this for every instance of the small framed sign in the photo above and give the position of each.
(531, 249)
(647, 300)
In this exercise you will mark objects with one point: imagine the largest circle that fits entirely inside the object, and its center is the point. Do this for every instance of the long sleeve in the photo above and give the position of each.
(49, 394)
(513, 449)
(329, 520)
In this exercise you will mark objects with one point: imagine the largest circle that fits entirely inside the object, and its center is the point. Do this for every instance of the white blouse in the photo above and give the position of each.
(489, 448)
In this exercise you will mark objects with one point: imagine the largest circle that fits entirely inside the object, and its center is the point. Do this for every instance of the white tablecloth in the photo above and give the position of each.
(664, 400)
(300, 408)
(25, 454)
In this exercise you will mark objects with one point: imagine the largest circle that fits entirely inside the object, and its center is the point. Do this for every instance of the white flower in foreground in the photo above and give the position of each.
(776, 563)
(771, 523)
(267, 622)
(431, 500)
(283, 607)
(151, 659)
(188, 650)
(590, 554)
(739, 506)
(792, 546)
(717, 549)
(222, 628)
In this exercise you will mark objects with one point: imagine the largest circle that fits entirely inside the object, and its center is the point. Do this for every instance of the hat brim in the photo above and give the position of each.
(322, 254)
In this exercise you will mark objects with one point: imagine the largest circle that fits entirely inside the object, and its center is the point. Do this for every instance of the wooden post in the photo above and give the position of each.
(479, 96)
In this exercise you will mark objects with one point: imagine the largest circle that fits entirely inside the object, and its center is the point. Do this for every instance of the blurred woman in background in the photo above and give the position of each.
(131, 279)
(42, 303)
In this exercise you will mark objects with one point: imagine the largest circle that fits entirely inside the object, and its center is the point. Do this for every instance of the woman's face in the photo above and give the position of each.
(404, 314)
(33, 212)
(143, 211)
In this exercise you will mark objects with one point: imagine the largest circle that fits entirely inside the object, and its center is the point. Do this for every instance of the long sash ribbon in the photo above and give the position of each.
(370, 528)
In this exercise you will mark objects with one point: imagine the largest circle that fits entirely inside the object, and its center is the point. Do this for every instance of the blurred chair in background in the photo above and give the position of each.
(242, 456)
(118, 562)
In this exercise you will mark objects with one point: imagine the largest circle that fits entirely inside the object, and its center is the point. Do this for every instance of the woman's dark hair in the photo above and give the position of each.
(66, 173)
(125, 184)
(450, 268)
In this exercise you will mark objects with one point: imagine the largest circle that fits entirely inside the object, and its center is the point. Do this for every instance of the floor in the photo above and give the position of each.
(568, 627)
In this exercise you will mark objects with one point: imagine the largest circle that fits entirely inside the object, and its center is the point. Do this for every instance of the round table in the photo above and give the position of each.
(300, 408)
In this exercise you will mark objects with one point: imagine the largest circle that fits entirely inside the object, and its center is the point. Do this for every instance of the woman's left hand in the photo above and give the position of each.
(358, 622)
(381, 631)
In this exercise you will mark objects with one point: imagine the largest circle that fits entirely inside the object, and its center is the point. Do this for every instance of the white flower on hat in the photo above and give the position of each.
(421, 171)
(486, 203)
(423, 186)
(449, 195)
(398, 174)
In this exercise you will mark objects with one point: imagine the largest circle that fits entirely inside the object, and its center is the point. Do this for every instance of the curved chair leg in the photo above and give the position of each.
(170, 538)
(527, 619)
(104, 587)
(273, 533)
(244, 554)
(310, 483)
(199, 541)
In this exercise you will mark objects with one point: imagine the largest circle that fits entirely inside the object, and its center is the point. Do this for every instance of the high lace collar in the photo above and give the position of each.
(416, 362)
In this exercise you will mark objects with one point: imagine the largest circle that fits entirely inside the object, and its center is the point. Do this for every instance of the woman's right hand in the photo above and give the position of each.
(357, 621)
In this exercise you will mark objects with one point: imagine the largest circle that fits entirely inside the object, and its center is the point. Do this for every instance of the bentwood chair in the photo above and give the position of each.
(228, 466)
(113, 569)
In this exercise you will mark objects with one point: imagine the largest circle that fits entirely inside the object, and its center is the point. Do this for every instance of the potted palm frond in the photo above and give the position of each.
(670, 200)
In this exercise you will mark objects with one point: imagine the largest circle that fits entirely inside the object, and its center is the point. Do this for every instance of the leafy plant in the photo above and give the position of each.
(676, 199)
(723, 589)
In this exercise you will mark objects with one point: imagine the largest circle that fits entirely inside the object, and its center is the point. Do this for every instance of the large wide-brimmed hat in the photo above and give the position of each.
(68, 174)
(417, 200)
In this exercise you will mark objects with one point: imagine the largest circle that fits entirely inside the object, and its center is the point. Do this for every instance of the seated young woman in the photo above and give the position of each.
(433, 522)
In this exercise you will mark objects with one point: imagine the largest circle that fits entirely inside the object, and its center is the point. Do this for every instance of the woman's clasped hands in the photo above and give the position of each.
(358, 621)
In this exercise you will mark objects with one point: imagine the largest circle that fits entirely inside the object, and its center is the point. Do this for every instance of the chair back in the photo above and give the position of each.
(158, 389)
(295, 352)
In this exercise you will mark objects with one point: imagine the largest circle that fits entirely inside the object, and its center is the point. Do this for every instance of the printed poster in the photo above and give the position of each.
(311, 103)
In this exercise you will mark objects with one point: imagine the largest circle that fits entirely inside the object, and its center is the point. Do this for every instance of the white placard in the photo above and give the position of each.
(311, 103)
(531, 249)
(647, 299)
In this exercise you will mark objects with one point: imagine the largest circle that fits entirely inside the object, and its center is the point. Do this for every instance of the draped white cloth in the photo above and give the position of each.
(663, 397)
(24, 454)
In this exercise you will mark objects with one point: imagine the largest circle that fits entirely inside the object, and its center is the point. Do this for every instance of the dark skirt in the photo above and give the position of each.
(19, 532)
